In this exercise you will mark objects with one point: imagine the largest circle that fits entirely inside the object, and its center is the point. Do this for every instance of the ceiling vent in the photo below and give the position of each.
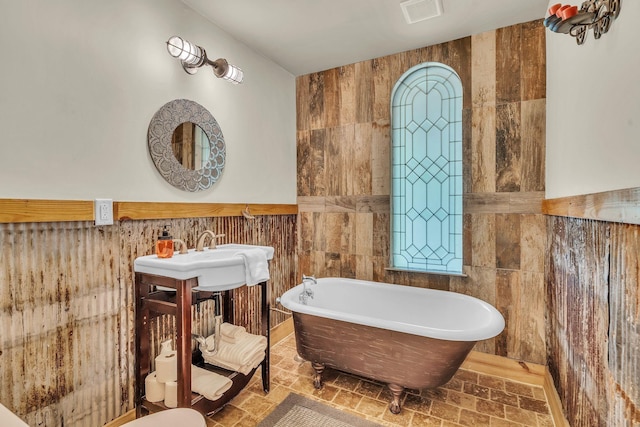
(419, 10)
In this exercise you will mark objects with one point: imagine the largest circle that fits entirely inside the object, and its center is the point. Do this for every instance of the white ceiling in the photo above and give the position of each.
(305, 36)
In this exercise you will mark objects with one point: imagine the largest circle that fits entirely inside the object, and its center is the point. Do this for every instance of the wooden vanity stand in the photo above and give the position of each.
(150, 303)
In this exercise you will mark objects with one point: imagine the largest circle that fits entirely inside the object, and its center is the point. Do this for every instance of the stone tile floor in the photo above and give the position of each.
(469, 399)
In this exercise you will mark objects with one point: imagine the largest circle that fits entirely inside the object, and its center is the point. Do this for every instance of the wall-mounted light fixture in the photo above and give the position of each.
(193, 57)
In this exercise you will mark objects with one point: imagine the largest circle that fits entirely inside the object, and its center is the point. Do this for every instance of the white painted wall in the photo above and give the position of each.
(80, 81)
(593, 109)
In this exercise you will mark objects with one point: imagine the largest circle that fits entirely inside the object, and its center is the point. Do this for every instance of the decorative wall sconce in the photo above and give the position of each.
(193, 57)
(593, 14)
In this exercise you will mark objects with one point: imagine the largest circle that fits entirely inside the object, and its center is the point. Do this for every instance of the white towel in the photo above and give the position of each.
(256, 266)
(243, 369)
(239, 353)
(209, 384)
(230, 333)
(243, 350)
(243, 356)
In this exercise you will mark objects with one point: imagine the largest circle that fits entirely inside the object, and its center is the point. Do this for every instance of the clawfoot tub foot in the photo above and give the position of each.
(317, 378)
(397, 391)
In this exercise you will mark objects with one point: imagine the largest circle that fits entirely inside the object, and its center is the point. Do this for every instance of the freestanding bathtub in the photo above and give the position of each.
(403, 336)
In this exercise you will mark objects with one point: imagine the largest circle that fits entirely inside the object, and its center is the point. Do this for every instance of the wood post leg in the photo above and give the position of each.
(317, 378)
(266, 331)
(397, 392)
(183, 341)
(142, 360)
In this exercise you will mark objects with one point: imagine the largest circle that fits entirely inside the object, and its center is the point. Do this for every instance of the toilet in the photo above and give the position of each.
(183, 417)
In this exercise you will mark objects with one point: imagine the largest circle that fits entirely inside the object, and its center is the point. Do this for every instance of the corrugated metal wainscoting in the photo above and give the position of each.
(67, 320)
(593, 326)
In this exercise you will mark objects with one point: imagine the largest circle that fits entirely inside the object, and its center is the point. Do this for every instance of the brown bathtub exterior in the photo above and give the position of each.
(398, 359)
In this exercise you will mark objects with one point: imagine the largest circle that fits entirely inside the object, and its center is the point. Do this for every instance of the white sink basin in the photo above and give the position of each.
(216, 269)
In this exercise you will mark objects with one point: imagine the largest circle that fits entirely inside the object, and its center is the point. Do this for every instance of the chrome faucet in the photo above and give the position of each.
(203, 236)
(307, 292)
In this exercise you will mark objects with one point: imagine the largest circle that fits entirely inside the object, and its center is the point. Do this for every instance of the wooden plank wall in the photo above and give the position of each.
(343, 142)
(594, 320)
(67, 313)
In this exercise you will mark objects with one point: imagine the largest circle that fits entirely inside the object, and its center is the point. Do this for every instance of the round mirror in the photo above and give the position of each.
(186, 145)
(190, 145)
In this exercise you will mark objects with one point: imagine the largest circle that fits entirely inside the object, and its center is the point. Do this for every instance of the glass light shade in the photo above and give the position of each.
(233, 74)
(188, 53)
(224, 70)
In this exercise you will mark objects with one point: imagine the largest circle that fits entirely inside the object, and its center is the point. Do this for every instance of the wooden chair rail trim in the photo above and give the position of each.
(38, 210)
(162, 210)
(612, 206)
(553, 398)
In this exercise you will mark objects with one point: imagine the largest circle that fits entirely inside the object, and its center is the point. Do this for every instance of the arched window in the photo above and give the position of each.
(426, 174)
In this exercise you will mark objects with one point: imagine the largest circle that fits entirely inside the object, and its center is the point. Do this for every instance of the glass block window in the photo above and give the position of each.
(426, 175)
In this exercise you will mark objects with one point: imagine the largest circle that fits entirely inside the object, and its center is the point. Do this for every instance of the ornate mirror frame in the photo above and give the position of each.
(161, 129)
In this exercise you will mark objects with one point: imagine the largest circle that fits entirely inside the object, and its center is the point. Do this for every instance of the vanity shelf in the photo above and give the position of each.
(150, 303)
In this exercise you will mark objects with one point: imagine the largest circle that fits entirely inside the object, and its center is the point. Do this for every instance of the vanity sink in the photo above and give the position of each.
(217, 269)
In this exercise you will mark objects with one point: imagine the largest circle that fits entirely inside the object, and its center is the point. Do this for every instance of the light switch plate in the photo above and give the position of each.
(103, 211)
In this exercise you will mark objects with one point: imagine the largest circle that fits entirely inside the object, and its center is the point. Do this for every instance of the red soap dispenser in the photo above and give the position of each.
(164, 246)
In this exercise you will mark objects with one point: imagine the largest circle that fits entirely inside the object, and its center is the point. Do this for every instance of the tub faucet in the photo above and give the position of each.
(203, 236)
(307, 292)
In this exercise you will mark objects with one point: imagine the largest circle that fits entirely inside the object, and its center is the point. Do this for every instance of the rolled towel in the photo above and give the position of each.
(231, 330)
(256, 266)
(209, 384)
(230, 333)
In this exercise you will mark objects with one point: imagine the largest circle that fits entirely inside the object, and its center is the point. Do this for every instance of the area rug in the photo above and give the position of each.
(298, 411)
